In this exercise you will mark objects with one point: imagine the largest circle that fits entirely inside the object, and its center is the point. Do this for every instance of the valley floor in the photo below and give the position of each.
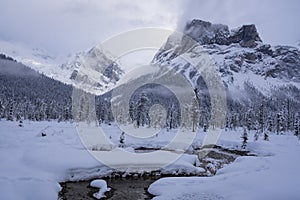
(32, 166)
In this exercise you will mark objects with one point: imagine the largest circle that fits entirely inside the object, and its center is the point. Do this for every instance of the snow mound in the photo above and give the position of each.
(102, 185)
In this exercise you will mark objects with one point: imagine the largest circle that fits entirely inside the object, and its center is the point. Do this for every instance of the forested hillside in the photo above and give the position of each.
(26, 94)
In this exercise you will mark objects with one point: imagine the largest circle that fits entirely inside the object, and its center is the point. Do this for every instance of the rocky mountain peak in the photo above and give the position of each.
(244, 63)
(246, 36)
(207, 33)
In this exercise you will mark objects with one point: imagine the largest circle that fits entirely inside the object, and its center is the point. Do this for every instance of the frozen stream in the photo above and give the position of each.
(121, 188)
(135, 186)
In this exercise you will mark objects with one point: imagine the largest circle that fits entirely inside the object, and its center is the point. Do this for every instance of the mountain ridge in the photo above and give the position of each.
(255, 75)
(263, 59)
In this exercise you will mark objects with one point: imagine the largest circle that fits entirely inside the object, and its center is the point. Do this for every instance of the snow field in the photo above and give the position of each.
(32, 166)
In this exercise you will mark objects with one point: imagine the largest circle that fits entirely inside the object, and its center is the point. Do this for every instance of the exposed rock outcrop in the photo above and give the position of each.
(208, 33)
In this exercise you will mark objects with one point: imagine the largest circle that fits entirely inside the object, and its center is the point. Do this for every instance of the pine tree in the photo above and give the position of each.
(270, 124)
(81, 111)
(234, 121)
(261, 119)
(256, 135)
(297, 126)
(227, 123)
(10, 116)
(48, 112)
(122, 140)
(142, 112)
(132, 114)
(18, 117)
(20, 123)
(249, 122)
(185, 116)
(205, 128)
(194, 112)
(67, 114)
(269, 129)
(279, 123)
(245, 138)
(104, 112)
(266, 136)
(288, 115)
(172, 117)
(1, 109)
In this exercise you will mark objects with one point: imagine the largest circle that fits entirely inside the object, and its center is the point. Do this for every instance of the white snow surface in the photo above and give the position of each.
(272, 174)
(32, 165)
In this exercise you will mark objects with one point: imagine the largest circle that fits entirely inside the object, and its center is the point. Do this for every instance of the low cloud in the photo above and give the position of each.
(67, 26)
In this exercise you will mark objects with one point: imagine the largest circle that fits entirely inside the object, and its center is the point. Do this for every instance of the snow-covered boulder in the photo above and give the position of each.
(102, 185)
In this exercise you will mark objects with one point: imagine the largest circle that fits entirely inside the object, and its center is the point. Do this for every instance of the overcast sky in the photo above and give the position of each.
(66, 26)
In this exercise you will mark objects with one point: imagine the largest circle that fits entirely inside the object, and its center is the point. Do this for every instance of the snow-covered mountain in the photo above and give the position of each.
(26, 54)
(95, 70)
(37, 59)
(255, 75)
(244, 62)
(66, 68)
(248, 67)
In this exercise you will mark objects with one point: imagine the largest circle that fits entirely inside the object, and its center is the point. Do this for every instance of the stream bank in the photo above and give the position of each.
(134, 186)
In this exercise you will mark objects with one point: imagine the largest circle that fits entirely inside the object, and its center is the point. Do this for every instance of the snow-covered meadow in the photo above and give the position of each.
(32, 165)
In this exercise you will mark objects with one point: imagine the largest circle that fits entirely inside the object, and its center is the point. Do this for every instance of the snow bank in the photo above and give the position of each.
(272, 175)
(31, 167)
(101, 184)
(186, 164)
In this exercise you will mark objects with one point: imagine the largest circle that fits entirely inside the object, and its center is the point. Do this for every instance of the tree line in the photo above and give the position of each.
(27, 95)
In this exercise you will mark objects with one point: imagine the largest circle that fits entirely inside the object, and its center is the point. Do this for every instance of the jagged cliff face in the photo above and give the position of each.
(207, 33)
(242, 59)
(94, 69)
